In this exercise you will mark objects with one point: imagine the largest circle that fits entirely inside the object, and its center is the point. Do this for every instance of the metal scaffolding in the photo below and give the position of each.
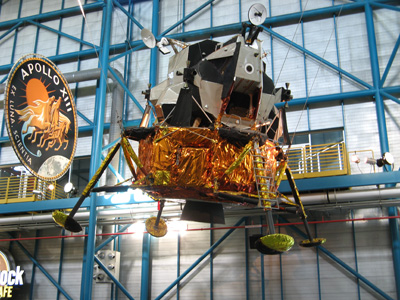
(108, 52)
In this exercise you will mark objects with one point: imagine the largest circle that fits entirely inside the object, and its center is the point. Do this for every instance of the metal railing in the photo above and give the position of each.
(305, 162)
(319, 160)
(26, 188)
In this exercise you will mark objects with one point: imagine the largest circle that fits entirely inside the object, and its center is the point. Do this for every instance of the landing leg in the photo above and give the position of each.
(155, 225)
(311, 241)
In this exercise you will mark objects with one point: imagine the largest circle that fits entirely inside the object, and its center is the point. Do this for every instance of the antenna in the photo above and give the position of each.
(148, 38)
(257, 14)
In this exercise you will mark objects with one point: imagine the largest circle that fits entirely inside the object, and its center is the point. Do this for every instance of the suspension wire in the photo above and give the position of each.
(279, 74)
(91, 40)
(315, 78)
(125, 32)
(286, 56)
(319, 67)
(290, 46)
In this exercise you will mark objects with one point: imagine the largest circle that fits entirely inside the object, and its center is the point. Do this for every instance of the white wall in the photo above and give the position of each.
(300, 267)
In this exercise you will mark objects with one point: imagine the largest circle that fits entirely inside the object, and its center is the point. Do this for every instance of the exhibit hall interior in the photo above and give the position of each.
(193, 149)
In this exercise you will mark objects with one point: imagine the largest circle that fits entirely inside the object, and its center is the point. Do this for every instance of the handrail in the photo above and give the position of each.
(324, 150)
(26, 188)
(319, 160)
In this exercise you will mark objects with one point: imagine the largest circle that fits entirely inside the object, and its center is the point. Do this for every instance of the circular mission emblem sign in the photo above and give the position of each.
(41, 117)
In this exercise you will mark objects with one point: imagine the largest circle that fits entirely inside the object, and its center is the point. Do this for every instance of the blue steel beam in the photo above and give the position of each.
(10, 30)
(262, 269)
(61, 261)
(342, 182)
(112, 277)
(390, 61)
(154, 52)
(41, 268)
(128, 14)
(273, 21)
(131, 123)
(340, 262)
(16, 33)
(68, 203)
(339, 96)
(318, 266)
(35, 251)
(115, 172)
(146, 264)
(316, 57)
(127, 52)
(382, 5)
(83, 54)
(304, 185)
(383, 136)
(122, 84)
(110, 145)
(218, 30)
(270, 21)
(380, 109)
(184, 14)
(386, 95)
(395, 237)
(304, 57)
(211, 265)
(60, 25)
(68, 36)
(313, 13)
(178, 266)
(355, 253)
(337, 50)
(145, 285)
(246, 247)
(84, 117)
(193, 34)
(43, 17)
(200, 259)
(96, 148)
(127, 70)
(281, 271)
(181, 21)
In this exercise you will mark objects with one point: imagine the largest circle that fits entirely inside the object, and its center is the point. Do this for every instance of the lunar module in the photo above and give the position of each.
(217, 138)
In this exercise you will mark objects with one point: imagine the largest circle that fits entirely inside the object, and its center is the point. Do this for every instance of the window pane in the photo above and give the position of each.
(299, 139)
(327, 137)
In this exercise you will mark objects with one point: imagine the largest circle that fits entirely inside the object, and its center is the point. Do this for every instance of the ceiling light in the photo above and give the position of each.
(355, 158)
(70, 189)
(369, 160)
(387, 159)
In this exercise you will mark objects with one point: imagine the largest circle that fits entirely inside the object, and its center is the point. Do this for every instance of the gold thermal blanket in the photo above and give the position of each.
(196, 162)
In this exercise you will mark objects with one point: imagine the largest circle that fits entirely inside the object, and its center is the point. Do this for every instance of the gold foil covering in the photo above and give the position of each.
(278, 241)
(162, 178)
(198, 158)
(128, 160)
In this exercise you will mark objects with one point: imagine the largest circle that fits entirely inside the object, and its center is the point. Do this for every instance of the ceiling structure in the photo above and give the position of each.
(323, 193)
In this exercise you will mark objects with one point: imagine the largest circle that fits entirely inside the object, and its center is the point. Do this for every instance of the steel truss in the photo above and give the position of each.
(109, 52)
